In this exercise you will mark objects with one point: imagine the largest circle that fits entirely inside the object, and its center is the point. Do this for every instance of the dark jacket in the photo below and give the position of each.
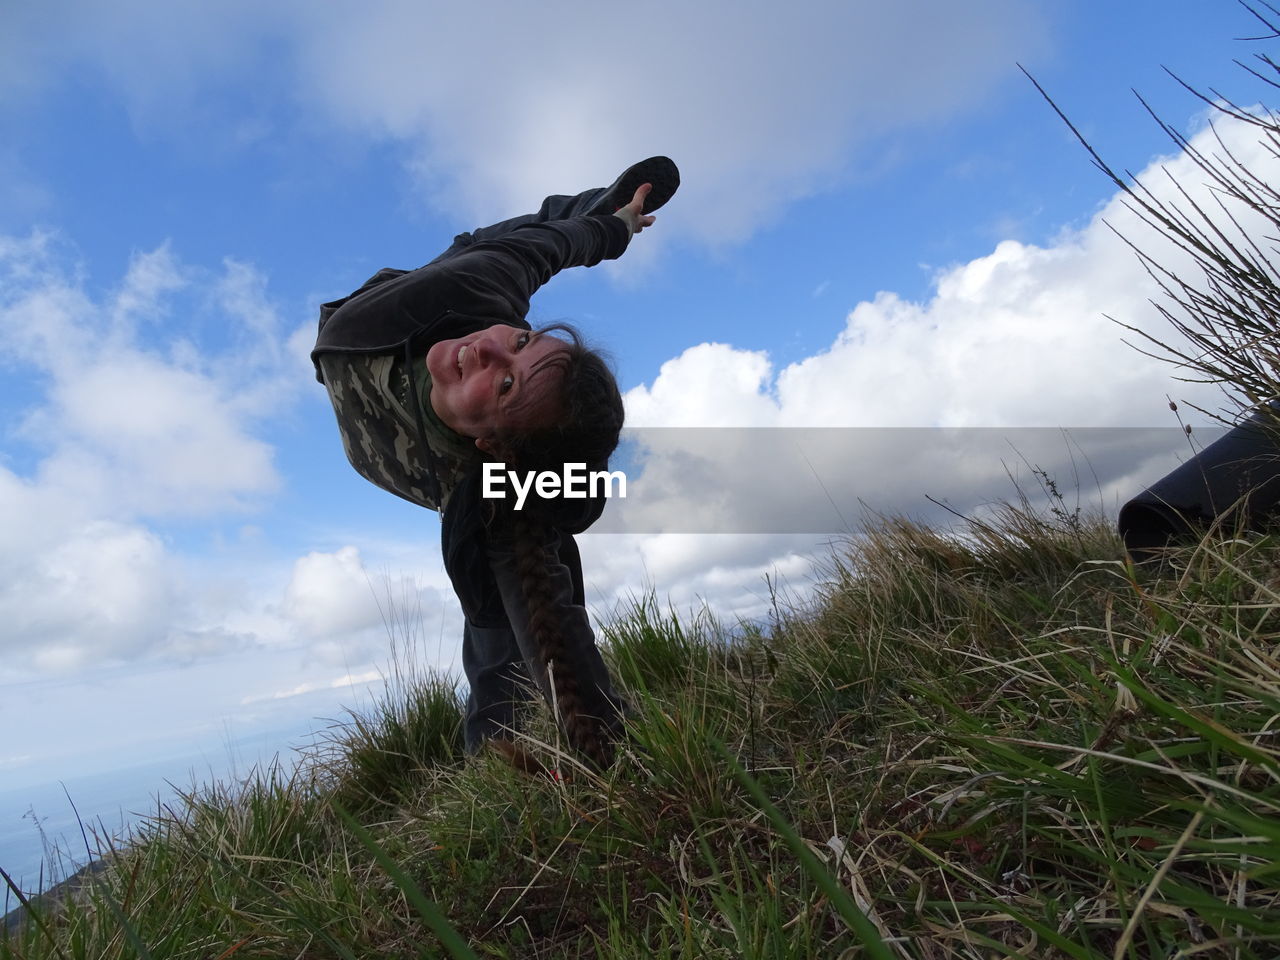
(474, 285)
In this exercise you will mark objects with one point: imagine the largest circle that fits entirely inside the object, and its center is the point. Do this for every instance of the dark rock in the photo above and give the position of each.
(51, 902)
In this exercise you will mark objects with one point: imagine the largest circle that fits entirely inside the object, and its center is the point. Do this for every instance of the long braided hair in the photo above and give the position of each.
(585, 429)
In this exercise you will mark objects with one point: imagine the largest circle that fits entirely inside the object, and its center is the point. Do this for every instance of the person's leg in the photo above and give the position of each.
(500, 678)
(598, 201)
(499, 682)
(553, 208)
(500, 672)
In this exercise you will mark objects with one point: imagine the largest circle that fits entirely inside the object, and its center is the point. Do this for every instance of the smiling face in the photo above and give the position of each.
(491, 379)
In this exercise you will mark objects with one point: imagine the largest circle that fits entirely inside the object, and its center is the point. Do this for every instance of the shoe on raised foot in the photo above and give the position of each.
(659, 171)
(523, 760)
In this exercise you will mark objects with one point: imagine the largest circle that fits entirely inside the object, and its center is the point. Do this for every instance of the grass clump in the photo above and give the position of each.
(1000, 741)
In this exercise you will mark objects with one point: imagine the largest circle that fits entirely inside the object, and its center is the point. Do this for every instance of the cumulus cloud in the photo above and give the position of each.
(760, 105)
(106, 577)
(124, 429)
(936, 397)
(331, 594)
(1020, 337)
(707, 385)
(149, 410)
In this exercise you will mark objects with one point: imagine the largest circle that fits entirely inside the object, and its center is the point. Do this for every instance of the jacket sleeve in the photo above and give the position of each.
(510, 268)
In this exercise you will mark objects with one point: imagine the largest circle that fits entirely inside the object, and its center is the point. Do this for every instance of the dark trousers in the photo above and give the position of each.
(500, 674)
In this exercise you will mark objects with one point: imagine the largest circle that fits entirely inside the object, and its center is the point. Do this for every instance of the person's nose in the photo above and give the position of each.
(487, 351)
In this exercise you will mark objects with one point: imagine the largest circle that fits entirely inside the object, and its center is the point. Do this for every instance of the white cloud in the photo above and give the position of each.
(331, 594)
(708, 385)
(242, 293)
(688, 568)
(302, 689)
(499, 104)
(142, 295)
(137, 416)
(97, 591)
(157, 55)
(346, 612)
(568, 92)
(125, 428)
(1019, 337)
(1015, 339)
(150, 438)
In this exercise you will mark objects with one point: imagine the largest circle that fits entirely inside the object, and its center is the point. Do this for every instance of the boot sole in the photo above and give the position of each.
(659, 171)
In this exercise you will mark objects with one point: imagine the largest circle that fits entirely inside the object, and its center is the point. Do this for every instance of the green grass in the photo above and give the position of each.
(997, 742)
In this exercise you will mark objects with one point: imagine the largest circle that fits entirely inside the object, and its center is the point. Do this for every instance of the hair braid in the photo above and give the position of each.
(586, 734)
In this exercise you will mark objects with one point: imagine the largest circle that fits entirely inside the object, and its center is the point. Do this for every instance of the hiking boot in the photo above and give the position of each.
(659, 171)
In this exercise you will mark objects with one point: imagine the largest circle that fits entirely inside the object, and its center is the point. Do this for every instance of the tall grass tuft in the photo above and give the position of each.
(381, 757)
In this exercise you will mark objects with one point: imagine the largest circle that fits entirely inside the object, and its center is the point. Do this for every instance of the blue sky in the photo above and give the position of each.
(881, 224)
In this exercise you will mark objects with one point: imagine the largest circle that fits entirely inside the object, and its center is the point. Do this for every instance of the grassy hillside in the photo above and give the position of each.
(995, 742)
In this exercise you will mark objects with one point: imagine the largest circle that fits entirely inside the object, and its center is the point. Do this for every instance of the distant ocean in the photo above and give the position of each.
(40, 836)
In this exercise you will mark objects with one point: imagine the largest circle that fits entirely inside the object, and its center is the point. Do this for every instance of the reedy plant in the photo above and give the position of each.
(1226, 307)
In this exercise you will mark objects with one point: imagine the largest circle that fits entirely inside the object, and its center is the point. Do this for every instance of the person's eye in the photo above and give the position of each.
(506, 385)
(523, 340)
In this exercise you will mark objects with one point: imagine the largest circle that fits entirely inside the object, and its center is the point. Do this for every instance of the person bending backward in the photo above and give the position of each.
(434, 371)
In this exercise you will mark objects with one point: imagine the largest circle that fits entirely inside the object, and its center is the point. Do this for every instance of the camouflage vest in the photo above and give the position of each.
(382, 434)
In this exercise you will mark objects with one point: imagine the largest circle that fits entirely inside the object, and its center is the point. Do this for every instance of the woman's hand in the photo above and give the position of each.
(632, 213)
